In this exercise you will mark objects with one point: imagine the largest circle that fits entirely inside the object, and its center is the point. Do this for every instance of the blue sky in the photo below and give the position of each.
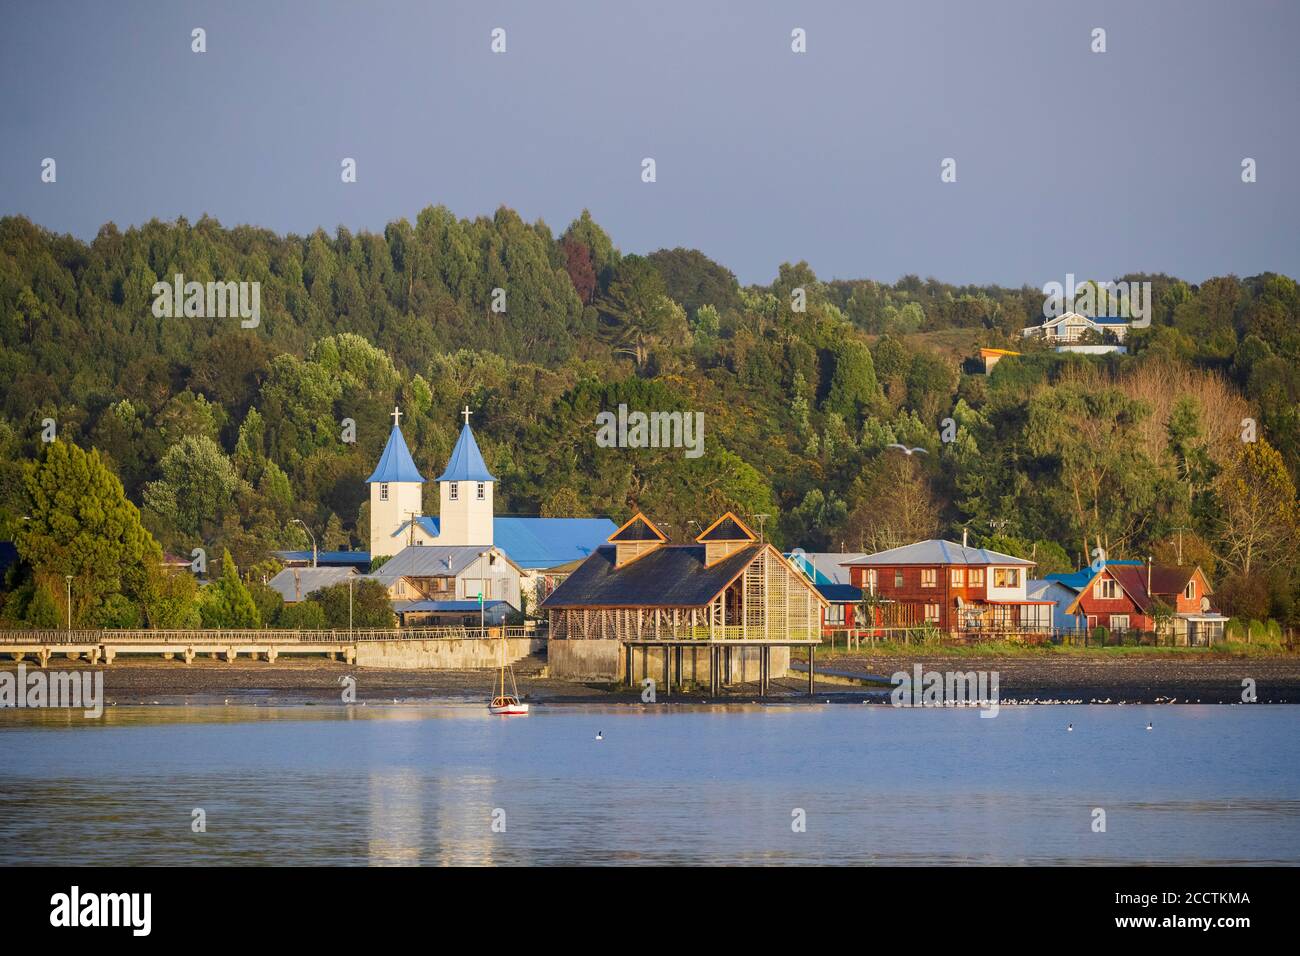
(1068, 161)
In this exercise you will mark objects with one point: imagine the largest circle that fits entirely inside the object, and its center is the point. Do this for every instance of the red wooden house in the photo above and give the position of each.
(956, 588)
(1122, 598)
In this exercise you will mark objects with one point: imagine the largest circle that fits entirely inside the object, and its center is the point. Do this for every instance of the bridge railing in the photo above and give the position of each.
(258, 636)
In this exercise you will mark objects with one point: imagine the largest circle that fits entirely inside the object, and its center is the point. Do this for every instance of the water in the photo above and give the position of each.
(418, 784)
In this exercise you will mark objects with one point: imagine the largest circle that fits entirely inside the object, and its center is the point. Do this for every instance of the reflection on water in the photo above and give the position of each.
(407, 785)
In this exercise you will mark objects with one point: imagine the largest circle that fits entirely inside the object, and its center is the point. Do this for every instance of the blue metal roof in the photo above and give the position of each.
(542, 542)
(1109, 319)
(396, 464)
(450, 606)
(1078, 580)
(840, 593)
(466, 462)
(350, 559)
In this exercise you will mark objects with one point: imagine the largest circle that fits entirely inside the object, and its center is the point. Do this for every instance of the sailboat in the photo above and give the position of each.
(503, 704)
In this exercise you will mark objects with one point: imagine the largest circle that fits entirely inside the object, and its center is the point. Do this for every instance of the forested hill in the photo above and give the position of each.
(222, 435)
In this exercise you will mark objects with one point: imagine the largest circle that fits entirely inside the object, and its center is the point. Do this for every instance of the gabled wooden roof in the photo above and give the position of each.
(637, 528)
(727, 528)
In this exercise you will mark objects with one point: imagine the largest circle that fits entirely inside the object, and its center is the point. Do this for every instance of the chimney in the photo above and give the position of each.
(297, 585)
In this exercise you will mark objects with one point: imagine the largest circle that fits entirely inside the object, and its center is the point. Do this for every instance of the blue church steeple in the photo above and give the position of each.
(466, 463)
(396, 463)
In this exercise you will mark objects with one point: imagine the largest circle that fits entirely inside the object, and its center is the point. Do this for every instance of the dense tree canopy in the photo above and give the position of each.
(224, 435)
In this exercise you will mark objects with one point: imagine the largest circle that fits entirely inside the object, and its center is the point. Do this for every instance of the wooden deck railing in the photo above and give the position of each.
(259, 636)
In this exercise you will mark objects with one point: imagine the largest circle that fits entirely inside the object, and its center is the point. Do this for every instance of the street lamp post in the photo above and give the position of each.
(482, 581)
(68, 578)
(350, 579)
(310, 535)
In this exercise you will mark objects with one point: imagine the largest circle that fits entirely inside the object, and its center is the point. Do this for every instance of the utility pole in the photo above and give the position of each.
(760, 519)
(68, 577)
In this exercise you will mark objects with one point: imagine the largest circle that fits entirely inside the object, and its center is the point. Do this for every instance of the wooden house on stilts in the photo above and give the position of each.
(724, 608)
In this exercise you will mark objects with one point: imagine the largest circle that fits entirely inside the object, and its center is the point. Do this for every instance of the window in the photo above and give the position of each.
(1119, 622)
(898, 578)
(835, 614)
(383, 491)
(976, 576)
(1006, 577)
(871, 580)
(1106, 590)
(453, 490)
(928, 577)
(1189, 592)
(957, 577)
(482, 490)
(932, 614)
(1092, 621)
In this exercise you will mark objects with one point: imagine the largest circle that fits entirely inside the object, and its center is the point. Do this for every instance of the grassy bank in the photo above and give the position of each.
(1003, 649)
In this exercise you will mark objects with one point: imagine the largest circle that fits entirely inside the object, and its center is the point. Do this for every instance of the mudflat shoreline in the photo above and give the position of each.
(843, 678)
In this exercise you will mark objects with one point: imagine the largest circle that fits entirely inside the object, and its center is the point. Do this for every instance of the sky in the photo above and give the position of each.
(1067, 161)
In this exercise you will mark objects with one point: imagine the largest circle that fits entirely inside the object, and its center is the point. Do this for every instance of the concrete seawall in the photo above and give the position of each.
(607, 661)
(445, 653)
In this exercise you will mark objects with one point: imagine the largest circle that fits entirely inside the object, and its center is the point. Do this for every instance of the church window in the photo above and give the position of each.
(482, 490)
(453, 491)
(383, 491)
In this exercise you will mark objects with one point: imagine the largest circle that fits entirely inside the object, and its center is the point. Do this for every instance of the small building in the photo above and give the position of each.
(961, 590)
(452, 613)
(296, 584)
(1123, 599)
(830, 575)
(991, 357)
(450, 573)
(1061, 596)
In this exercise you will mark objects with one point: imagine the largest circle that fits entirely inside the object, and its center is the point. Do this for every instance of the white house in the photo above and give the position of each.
(1066, 330)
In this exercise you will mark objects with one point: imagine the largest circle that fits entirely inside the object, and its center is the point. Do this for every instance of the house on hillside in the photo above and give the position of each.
(1065, 331)
(1122, 598)
(958, 589)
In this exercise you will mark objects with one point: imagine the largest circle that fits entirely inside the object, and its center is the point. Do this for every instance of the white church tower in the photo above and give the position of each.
(465, 494)
(396, 494)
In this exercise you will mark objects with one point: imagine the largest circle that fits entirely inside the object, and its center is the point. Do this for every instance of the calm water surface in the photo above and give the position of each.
(418, 784)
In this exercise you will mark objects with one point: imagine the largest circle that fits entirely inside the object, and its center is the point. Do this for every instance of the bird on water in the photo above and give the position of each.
(600, 735)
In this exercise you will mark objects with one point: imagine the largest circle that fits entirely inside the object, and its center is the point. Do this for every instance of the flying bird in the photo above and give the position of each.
(907, 451)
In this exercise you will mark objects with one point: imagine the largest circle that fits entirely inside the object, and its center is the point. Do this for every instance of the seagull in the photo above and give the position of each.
(600, 735)
(907, 451)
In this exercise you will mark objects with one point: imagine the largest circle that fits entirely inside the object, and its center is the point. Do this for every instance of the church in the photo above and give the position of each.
(542, 549)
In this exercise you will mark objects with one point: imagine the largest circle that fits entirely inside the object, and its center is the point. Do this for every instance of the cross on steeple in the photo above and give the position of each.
(397, 413)
(466, 413)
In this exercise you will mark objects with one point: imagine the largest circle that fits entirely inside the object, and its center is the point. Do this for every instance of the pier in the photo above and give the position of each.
(102, 646)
